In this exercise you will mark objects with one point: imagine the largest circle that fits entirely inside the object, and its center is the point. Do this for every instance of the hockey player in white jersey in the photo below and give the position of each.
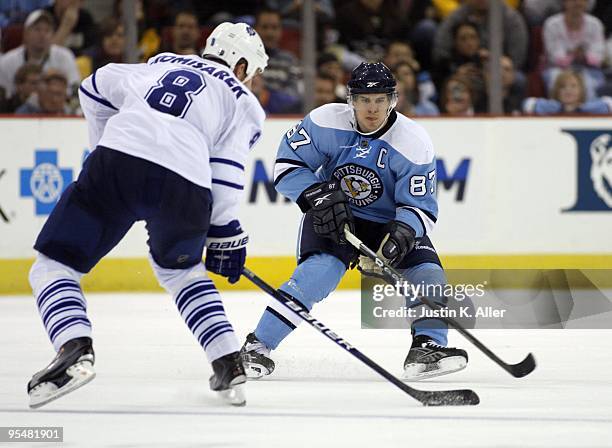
(171, 139)
(364, 165)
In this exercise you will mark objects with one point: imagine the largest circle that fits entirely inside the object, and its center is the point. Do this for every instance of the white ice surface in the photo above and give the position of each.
(152, 384)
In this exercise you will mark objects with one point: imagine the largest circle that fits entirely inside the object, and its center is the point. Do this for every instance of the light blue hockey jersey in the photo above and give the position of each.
(388, 175)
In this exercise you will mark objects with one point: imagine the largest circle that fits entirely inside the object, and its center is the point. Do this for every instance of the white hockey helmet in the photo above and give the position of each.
(231, 42)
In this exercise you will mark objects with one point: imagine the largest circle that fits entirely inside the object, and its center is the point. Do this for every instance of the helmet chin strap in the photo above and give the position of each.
(392, 105)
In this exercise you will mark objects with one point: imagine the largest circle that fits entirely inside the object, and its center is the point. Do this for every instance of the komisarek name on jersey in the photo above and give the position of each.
(201, 65)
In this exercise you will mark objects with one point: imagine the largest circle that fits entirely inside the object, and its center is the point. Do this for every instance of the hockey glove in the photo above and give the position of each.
(226, 250)
(329, 208)
(397, 243)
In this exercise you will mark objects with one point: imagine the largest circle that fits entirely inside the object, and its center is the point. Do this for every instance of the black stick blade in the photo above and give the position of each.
(523, 368)
(462, 397)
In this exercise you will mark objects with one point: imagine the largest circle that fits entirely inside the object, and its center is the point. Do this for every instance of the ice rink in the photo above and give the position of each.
(151, 388)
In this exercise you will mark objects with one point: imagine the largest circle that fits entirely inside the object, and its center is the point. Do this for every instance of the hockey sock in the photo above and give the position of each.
(200, 306)
(313, 280)
(199, 303)
(428, 274)
(60, 300)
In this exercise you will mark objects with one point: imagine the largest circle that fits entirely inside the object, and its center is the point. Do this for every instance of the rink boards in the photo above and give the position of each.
(513, 193)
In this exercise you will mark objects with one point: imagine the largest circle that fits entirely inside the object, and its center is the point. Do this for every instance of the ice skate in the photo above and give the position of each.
(71, 368)
(229, 378)
(256, 358)
(426, 359)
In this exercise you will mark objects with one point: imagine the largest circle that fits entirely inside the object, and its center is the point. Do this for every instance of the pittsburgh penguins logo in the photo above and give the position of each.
(361, 185)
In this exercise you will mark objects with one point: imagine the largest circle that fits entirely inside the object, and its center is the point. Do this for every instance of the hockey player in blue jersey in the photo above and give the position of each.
(171, 140)
(364, 165)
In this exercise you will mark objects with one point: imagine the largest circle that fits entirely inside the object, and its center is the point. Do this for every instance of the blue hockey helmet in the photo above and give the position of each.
(371, 77)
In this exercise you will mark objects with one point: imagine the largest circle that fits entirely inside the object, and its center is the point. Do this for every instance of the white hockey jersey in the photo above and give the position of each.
(185, 113)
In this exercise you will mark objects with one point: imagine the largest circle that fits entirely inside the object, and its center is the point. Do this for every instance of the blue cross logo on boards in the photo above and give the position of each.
(594, 166)
(46, 181)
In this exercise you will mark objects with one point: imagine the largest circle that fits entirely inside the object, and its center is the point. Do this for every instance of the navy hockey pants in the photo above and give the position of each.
(113, 191)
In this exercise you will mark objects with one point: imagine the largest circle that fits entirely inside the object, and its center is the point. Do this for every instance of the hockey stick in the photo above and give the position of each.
(523, 368)
(427, 398)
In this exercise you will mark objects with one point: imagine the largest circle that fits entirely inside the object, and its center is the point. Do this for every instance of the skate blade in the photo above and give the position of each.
(255, 371)
(420, 371)
(81, 373)
(235, 395)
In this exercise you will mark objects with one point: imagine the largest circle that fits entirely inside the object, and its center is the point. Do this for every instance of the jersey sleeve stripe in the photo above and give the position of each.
(228, 184)
(99, 100)
(430, 215)
(427, 223)
(292, 162)
(226, 162)
(282, 167)
(283, 174)
(93, 82)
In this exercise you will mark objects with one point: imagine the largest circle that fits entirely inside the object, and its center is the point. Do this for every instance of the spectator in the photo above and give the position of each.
(111, 48)
(512, 92)
(37, 48)
(420, 28)
(404, 105)
(603, 11)
(367, 26)
(329, 65)
(400, 51)
(412, 103)
(445, 8)
(185, 33)
(292, 9)
(274, 101)
(537, 11)
(457, 97)
(568, 96)
(76, 28)
(467, 54)
(27, 79)
(50, 97)
(283, 73)
(324, 92)
(211, 13)
(16, 11)
(514, 31)
(148, 37)
(574, 39)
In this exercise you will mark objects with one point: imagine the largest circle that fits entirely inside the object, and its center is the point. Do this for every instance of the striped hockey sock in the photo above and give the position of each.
(63, 310)
(199, 303)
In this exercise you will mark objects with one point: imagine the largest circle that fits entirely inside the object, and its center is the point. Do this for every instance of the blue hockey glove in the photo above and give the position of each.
(226, 250)
(330, 210)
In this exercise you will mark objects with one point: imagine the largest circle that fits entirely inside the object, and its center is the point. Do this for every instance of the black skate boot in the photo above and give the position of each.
(71, 368)
(229, 378)
(256, 358)
(427, 359)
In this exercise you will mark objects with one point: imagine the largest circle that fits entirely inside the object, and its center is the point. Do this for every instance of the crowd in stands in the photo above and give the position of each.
(557, 54)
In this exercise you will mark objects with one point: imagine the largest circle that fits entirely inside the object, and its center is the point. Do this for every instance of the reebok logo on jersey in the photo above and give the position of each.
(372, 84)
